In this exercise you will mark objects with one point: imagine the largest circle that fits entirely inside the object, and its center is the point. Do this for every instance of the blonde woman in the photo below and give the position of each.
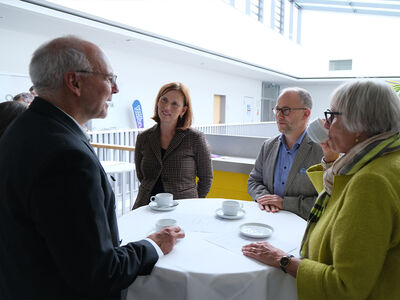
(170, 155)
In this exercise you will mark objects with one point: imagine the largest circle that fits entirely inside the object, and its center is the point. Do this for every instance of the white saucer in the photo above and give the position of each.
(220, 214)
(256, 230)
(153, 205)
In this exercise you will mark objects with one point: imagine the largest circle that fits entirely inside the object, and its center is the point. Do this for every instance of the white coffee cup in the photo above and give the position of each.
(165, 223)
(231, 208)
(317, 132)
(163, 199)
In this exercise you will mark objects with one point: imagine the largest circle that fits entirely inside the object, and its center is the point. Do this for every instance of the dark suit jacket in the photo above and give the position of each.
(58, 228)
(300, 194)
(187, 156)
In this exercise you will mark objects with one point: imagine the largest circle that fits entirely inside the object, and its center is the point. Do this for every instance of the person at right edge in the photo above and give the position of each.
(351, 246)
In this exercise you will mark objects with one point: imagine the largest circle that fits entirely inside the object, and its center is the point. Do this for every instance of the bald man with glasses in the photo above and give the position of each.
(59, 233)
(278, 180)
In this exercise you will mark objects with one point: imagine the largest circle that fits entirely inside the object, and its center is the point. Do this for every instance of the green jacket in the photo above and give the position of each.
(354, 249)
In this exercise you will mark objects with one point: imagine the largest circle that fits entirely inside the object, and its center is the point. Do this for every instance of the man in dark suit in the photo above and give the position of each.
(278, 179)
(58, 228)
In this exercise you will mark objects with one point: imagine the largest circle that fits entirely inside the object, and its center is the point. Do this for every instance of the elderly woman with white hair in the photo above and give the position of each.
(351, 247)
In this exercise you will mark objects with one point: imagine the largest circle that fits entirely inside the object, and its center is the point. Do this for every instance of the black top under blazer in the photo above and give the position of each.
(58, 229)
(187, 156)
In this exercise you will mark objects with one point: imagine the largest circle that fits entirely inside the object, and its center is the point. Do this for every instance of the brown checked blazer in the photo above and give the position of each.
(187, 156)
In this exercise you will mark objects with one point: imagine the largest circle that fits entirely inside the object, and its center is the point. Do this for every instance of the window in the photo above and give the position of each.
(256, 10)
(278, 15)
(340, 65)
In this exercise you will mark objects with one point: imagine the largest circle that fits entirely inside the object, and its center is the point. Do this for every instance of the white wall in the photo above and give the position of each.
(207, 24)
(321, 96)
(15, 55)
(139, 77)
(370, 41)
(12, 84)
(141, 73)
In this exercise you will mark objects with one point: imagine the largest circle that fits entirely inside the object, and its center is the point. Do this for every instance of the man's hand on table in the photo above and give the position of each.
(270, 203)
(167, 237)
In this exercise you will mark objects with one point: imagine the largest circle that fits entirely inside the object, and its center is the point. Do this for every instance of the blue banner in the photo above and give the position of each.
(137, 111)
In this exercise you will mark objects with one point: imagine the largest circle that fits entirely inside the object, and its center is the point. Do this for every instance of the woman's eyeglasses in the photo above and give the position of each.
(330, 115)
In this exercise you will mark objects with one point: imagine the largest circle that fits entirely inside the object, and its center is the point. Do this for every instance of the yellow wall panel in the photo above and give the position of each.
(229, 185)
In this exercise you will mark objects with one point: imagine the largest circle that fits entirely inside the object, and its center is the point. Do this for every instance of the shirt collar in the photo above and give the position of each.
(84, 130)
(296, 145)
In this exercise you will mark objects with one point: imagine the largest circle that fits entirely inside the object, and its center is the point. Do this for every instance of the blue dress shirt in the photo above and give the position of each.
(284, 163)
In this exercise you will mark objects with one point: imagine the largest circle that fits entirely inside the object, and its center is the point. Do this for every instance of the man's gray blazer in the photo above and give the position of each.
(299, 194)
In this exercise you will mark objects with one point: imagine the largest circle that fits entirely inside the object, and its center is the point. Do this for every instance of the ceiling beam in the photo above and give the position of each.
(364, 4)
(351, 10)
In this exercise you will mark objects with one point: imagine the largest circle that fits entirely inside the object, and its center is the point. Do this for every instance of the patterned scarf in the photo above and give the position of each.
(350, 163)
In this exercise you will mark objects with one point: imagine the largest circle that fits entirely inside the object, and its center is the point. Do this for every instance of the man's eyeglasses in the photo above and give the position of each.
(111, 77)
(286, 110)
(330, 115)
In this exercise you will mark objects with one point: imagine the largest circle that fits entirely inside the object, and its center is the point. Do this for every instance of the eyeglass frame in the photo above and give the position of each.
(113, 77)
(330, 119)
(282, 110)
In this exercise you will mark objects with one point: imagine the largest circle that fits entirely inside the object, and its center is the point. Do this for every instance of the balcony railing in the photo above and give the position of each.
(261, 129)
(113, 146)
(127, 137)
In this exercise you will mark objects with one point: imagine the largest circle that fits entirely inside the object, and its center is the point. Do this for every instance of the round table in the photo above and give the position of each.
(208, 263)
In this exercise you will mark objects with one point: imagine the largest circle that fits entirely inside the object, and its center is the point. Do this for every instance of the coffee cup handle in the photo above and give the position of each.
(152, 198)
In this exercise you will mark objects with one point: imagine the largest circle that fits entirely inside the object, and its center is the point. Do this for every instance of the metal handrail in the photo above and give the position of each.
(113, 147)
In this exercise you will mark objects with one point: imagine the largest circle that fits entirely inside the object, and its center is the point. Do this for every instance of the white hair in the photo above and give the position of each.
(53, 59)
(369, 106)
(26, 97)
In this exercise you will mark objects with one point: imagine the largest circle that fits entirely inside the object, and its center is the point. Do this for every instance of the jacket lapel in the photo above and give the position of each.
(154, 141)
(272, 161)
(301, 156)
(176, 141)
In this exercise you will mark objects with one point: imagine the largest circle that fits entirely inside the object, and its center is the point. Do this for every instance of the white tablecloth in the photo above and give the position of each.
(208, 263)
